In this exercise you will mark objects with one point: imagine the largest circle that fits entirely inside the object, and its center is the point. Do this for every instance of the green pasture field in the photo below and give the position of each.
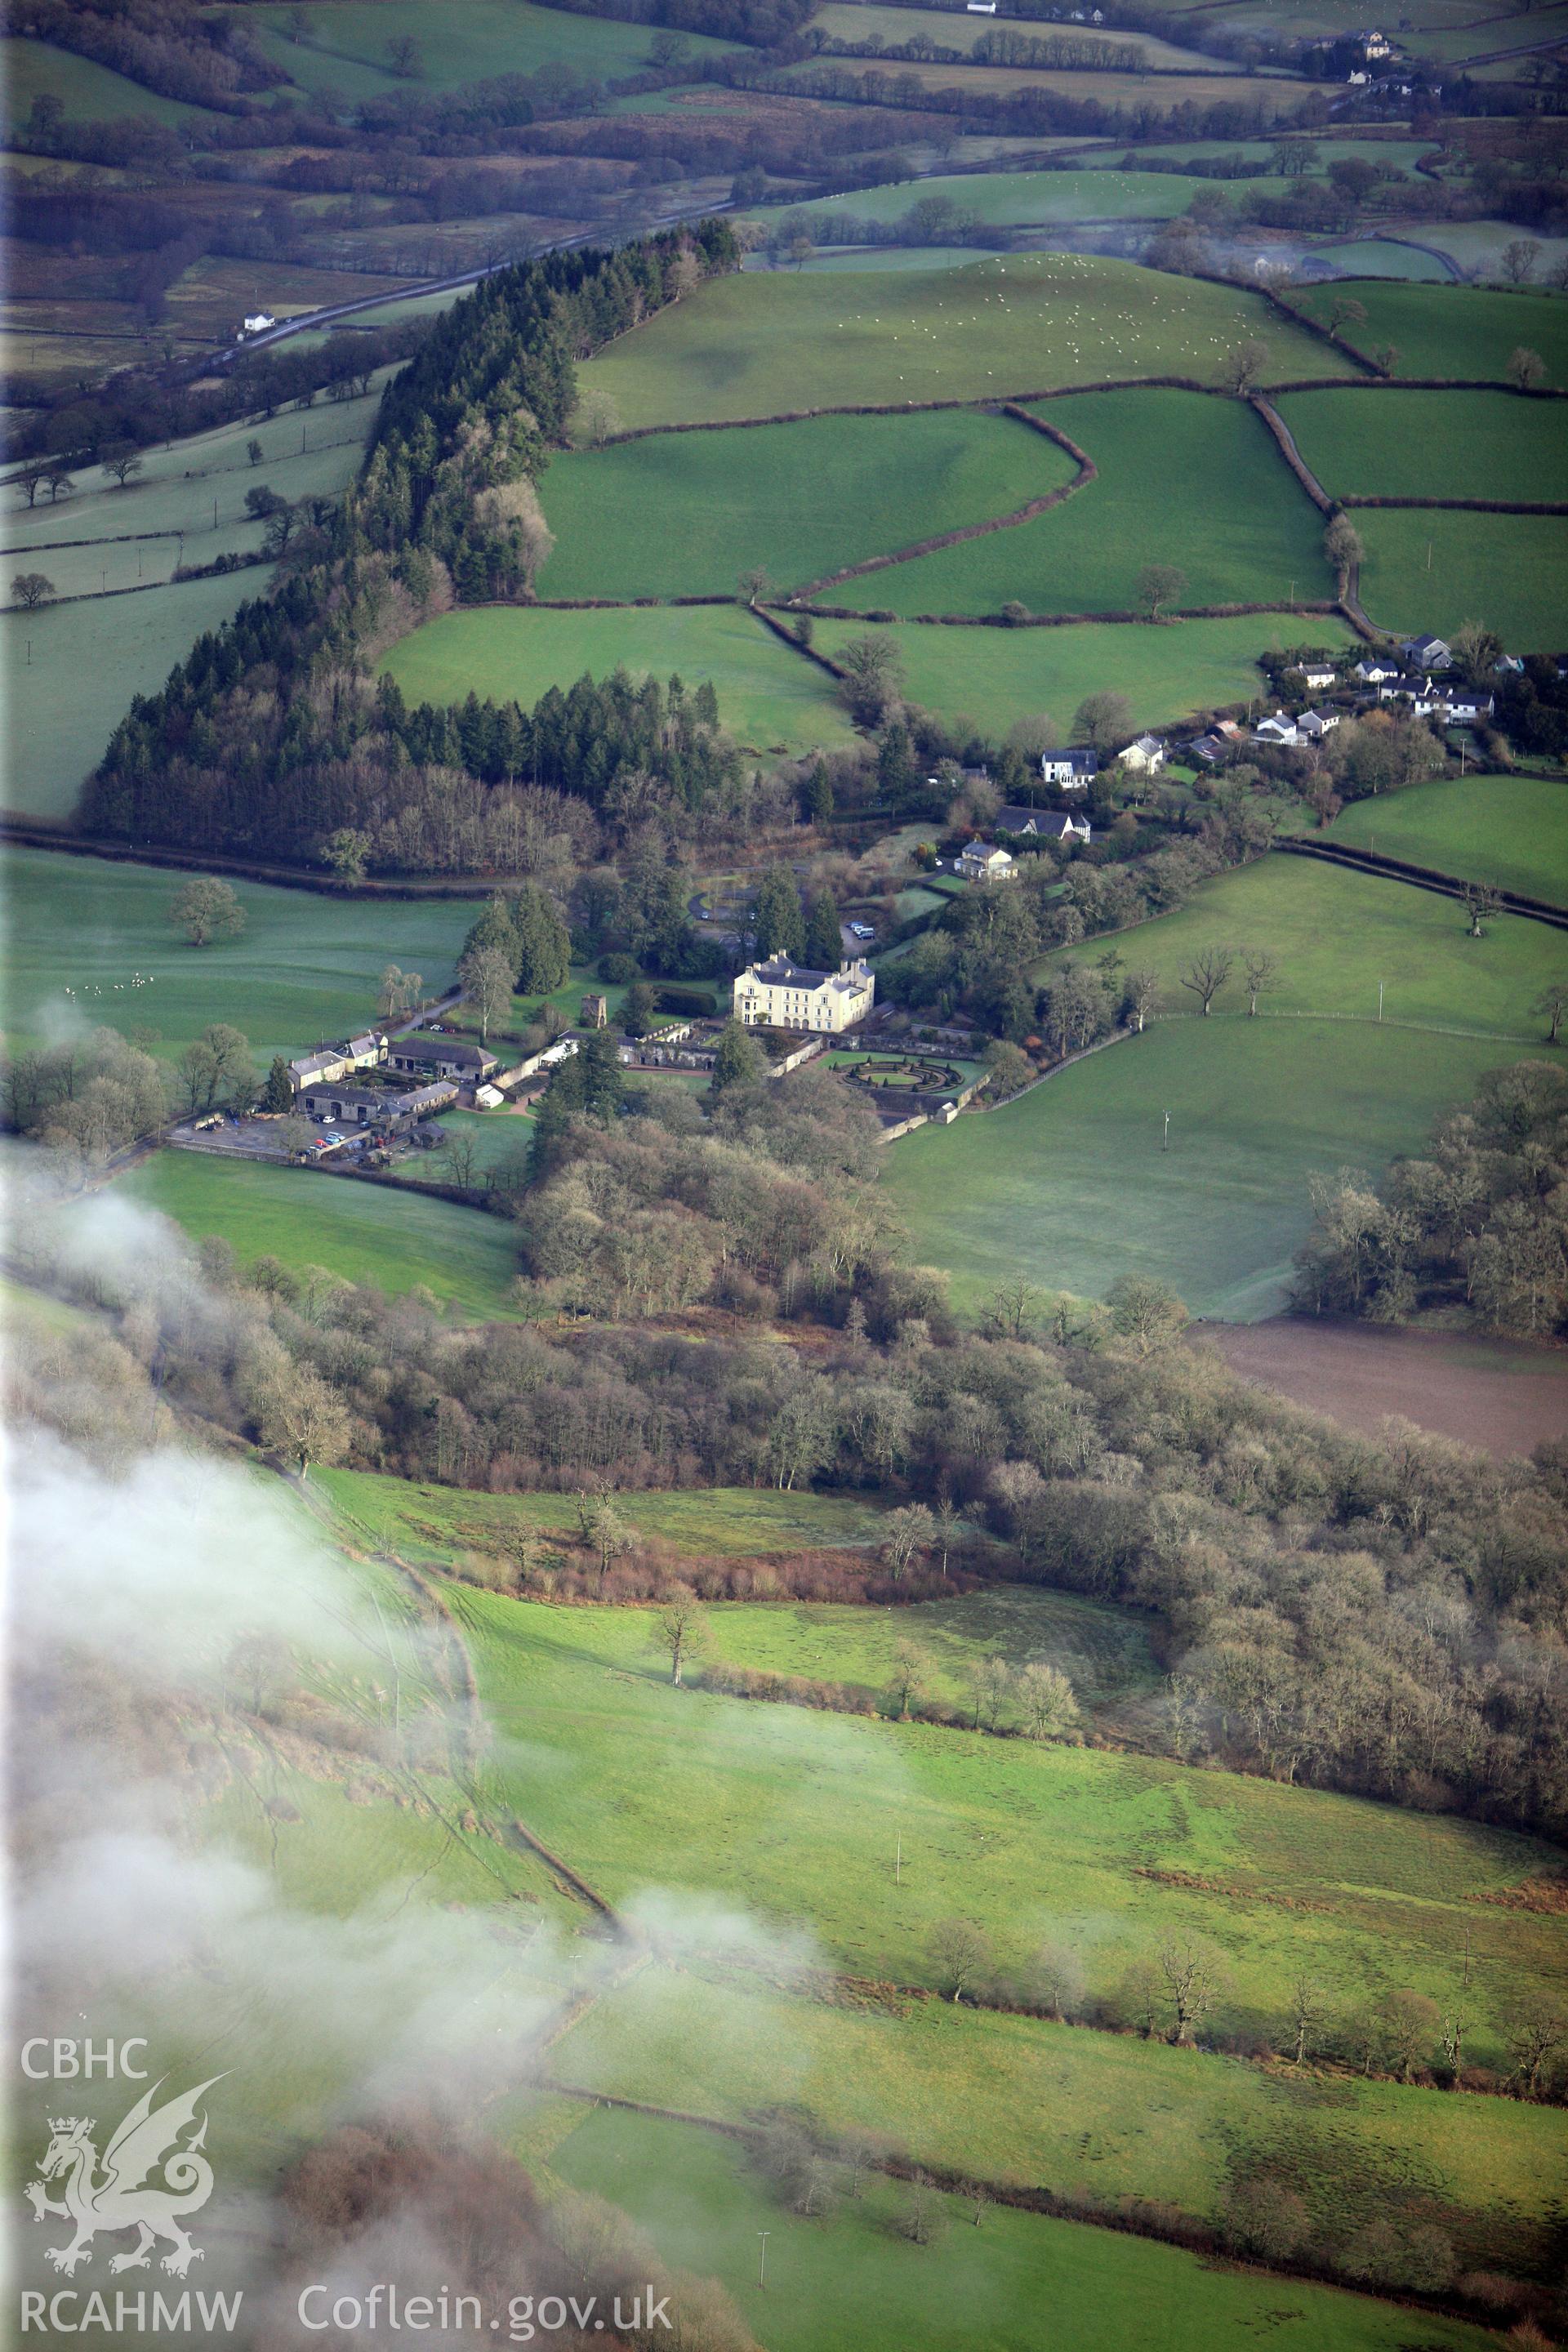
(849, 2283)
(1019, 2100)
(1183, 478)
(391, 1238)
(794, 1814)
(997, 675)
(342, 1856)
(1018, 198)
(1426, 569)
(1476, 246)
(1314, 17)
(756, 345)
(500, 1139)
(842, 260)
(439, 1523)
(842, 20)
(1384, 256)
(1338, 936)
(1070, 1187)
(304, 968)
(88, 92)
(1452, 330)
(1399, 153)
(175, 497)
(769, 698)
(1424, 445)
(346, 42)
(685, 513)
(1106, 1651)
(1221, 85)
(1510, 830)
(70, 671)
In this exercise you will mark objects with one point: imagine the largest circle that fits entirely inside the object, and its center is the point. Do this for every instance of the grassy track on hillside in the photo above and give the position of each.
(1511, 830)
(795, 1814)
(1069, 1186)
(849, 2283)
(684, 514)
(995, 675)
(769, 698)
(438, 1523)
(1184, 479)
(1431, 444)
(1022, 2100)
(1452, 330)
(1432, 571)
(304, 968)
(395, 1240)
(88, 92)
(1337, 937)
(756, 345)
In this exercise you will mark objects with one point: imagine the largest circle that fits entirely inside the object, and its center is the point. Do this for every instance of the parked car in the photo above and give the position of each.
(862, 931)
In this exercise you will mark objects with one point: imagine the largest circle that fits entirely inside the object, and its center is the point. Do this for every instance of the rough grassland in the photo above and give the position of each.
(848, 2283)
(795, 1815)
(1453, 330)
(1511, 830)
(1431, 444)
(438, 1523)
(1024, 198)
(87, 661)
(1183, 478)
(1069, 1185)
(393, 1239)
(1433, 571)
(756, 345)
(769, 698)
(995, 675)
(1337, 936)
(304, 967)
(1022, 2100)
(684, 514)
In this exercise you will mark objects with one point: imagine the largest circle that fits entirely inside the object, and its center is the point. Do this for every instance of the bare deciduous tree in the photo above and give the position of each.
(905, 1531)
(1262, 969)
(1208, 974)
(1192, 1973)
(681, 1630)
(959, 1952)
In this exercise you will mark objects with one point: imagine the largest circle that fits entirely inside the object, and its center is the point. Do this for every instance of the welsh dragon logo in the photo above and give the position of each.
(123, 2196)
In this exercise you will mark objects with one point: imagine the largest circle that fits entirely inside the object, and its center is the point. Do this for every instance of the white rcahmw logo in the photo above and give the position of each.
(123, 2196)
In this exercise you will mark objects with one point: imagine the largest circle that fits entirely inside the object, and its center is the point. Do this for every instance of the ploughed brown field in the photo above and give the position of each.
(1504, 1396)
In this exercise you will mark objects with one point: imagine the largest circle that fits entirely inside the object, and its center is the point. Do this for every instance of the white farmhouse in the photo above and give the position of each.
(980, 863)
(1147, 754)
(784, 994)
